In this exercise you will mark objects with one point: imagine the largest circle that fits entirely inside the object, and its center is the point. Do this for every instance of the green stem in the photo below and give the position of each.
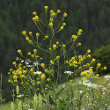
(39, 29)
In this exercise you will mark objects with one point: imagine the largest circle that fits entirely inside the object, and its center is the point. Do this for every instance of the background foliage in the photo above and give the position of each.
(103, 55)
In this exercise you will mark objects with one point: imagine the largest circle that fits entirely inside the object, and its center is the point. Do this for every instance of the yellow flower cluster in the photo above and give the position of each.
(35, 18)
(43, 76)
(79, 32)
(89, 73)
(51, 62)
(74, 37)
(21, 74)
(52, 15)
(18, 73)
(62, 27)
(64, 14)
(76, 61)
(27, 37)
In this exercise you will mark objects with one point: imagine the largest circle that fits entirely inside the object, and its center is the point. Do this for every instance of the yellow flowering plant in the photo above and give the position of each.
(34, 73)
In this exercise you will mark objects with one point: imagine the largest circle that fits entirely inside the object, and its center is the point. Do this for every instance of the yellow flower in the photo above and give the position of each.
(83, 73)
(22, 83)
(98, 65)
(24, 71)
(9, 80)
(37, 89)
(37, 34)
(52, 13)
(61, 28)
(80, 67)
(97, 75)
(34, 13)
(17, 58)
(46, 70)
(67, 62)
(64, 24)
(24, 32)
(74, 37)
(42, 65)
(79, 44)
(41, 58)
(51, 62)
(11, 69)
(35, 19)
(57, 57)
(58, 11)
(46, 37)
(93, 60)
(57, 42)
(87, 64)
(51, 19)
(88, 51)
(84, 78)
(48, 79)
(14, 63)
(63, 45)
(32, 70)
(75, 62)
(47, 85)
(64, 14)
(37, 78)
(51, 25)
(22, 76)
(27, 38)
(79, 32)
(29, 53)
(33, 84)
(32, 55)
(50, 49)
(19, 51)
(30, 33)
(89, 55)
(46, 8)
(37, 56)
(105, 68)
(38, 82)
(30, 41)
(35, 51)
(54, 46)
(15, 76)
(43, 76)
(15, 80)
